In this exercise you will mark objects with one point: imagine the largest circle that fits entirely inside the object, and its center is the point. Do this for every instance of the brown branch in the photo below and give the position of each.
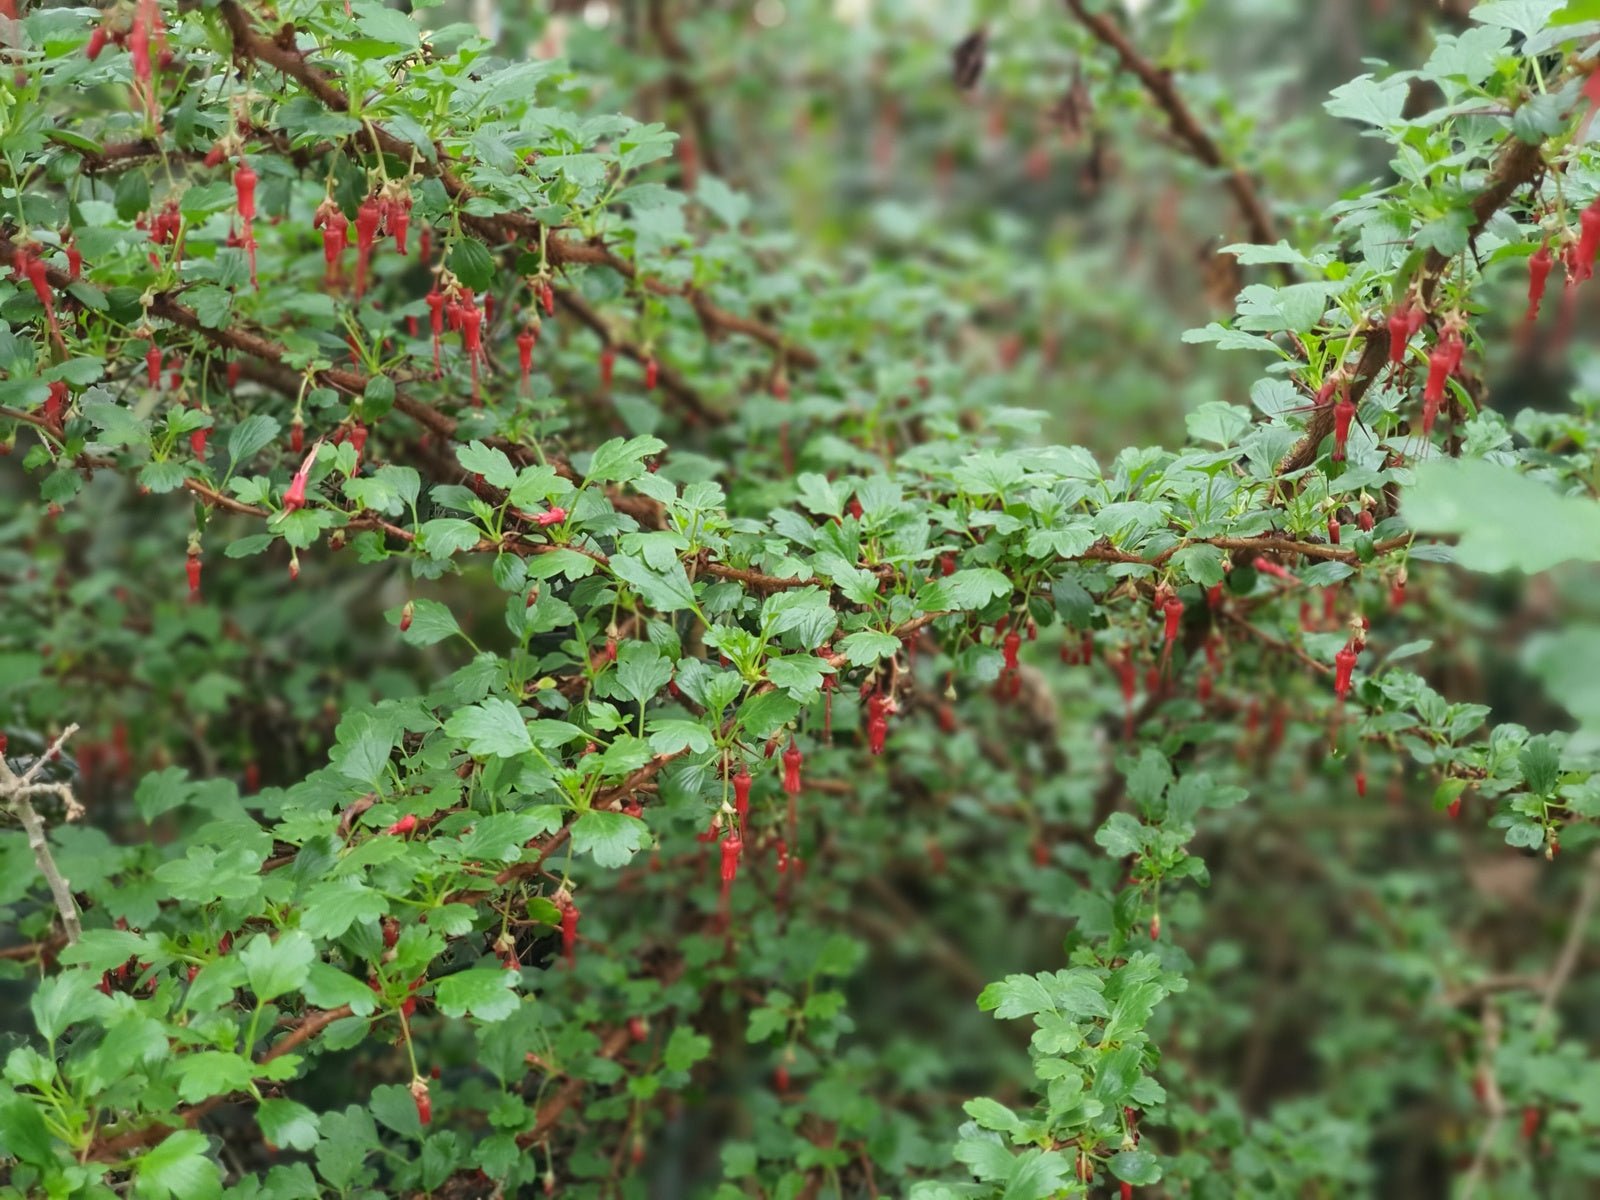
(17, 791)
(32, 950)
(1185, 127)
(1518, 163)
(567, 1094)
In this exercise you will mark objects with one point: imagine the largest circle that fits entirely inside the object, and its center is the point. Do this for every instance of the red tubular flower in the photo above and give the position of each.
(877, 734)
(525, 343)
(547, 297)
(55, 405)
(358, 438)
(553, 517)
(198, 439)
(335, 237)
(1538, 271)
(1125, 1190)
(569, 933)
(1399, 334)
(39, 277)
(1430, 414)
(1344, 413)
(436, 320)
(1588, 240)
(74, 260)
(152, 365)
(139, 47)
(192, 567)
(1009, 647)
(295, 496)
(1364, 520)
(399, 223)
(406, 614)
(1127, 676)
(403, 826)
(1361, 784)
(732, 848)
(367, 218)
(472, 340)
(244, 186)
(235, 368)
(792, 758)
(608, 364)
(1531, 1117)
(419, 1093)
(1333, 531)
(741, 793)
(1172, 611)
(1456, 346)
(652, 371)
(1344, 663)
(98, 38)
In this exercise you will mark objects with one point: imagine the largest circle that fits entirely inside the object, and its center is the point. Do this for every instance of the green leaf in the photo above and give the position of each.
(685, 1048)
(1036, 1175)
(1370, 101)
(211, 1073)
(431, 622)
(619, 460)
(274, 969)
(328, 987)
(61, 1001)
(23, 1134)
(1203, 564)
(666, 591)
(869, 645)
(610, 838)
(445, 536)
(493, 729)
(1138, 1167)
(1540, 765)
(288, 1124)
(1506, 520)
(162, 791)
(250, 435)
(763, 715)
(393, 1105)
(991, 1114)
(469, 258)
(178, 1167)
(492, 464)
(671, 736)
(103, 949)
(642, 670)
(489, 995)
(968, 589)
(333, 905)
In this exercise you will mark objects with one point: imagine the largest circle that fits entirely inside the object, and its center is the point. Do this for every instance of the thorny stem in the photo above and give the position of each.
(17, 791)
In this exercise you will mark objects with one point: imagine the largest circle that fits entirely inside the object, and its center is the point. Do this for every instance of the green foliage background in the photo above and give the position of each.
(1131, 900)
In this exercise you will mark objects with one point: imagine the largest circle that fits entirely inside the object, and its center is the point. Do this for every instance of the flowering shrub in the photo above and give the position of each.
(516, 679)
